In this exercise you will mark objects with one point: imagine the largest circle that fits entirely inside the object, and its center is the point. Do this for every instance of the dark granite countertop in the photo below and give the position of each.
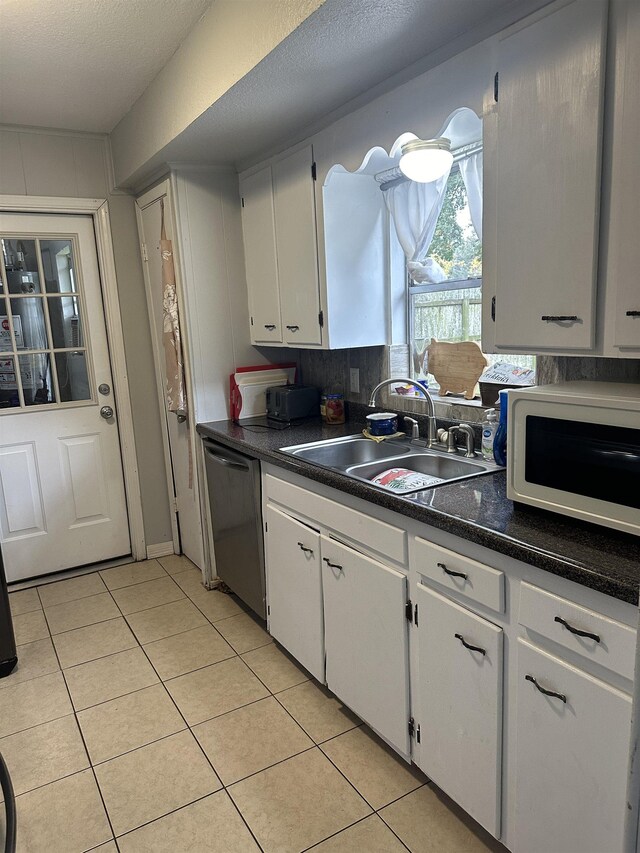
(475, 509)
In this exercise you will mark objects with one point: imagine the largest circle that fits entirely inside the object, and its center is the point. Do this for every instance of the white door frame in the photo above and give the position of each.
(98, 209)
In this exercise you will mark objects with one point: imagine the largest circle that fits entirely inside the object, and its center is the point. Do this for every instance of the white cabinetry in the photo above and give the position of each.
(279, 231)
(572, 749)
(294, 589)
(470, 645)
(295, 217)
(459, 705)
(366, 637)
(542, 168)
(624, 246)
(258, 228)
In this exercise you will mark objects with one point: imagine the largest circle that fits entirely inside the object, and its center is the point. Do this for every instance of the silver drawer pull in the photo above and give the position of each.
(577, 631)
(451, 573)
(560, 318)
(546, 692)
(469, 646)
(305, 549)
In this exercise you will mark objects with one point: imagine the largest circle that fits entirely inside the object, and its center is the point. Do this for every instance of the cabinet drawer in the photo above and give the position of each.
(463, 575)
(373, 534)
(612, 644)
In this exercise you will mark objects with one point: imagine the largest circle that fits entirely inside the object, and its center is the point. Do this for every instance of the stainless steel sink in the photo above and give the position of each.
(363, 459)
(344, 452)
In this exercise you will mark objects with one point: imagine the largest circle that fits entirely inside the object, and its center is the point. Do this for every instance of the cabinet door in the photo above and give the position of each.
(366, 639)
(571, 758)
(624, 249)
(258, 229)
(459, 705)
(294, 589)
(547, 160)
(295, 214)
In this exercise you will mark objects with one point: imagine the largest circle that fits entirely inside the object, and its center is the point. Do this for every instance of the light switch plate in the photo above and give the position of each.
(354, 380)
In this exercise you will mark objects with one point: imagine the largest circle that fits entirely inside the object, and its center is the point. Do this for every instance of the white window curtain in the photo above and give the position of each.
(471, 171)
(415, 209)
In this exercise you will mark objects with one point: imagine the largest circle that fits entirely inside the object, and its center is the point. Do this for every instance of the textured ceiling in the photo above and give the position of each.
(81, 64)
(339, 53)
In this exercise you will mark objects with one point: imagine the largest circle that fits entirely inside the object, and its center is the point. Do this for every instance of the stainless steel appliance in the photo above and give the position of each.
(574, 448)
(289, 402)
(236, 522)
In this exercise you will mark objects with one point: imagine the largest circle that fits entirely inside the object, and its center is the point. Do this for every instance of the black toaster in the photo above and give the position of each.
(290, 402)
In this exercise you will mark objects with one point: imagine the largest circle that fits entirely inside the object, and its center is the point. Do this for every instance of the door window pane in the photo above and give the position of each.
(5, 330)
(21, 265)
(28, 323)
(73, 378)
(58, 266)
(8, 384)
(66, 325)
(37, 385)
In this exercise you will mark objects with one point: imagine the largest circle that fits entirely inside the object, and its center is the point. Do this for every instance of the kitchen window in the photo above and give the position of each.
(447, 305)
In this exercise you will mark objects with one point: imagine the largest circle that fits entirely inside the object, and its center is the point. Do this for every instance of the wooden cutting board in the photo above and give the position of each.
(456, 367)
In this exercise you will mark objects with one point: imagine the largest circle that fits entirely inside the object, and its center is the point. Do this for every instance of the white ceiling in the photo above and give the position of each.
(81, 64)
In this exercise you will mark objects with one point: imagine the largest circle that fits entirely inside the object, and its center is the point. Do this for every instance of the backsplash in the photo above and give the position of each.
(329, 370)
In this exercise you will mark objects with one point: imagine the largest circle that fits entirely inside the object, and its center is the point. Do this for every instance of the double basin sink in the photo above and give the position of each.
(363, 459)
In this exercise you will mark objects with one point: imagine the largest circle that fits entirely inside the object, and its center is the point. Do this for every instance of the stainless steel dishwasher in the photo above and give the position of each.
(236, 522)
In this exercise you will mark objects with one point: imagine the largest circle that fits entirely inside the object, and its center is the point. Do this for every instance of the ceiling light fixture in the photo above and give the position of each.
(426, 160)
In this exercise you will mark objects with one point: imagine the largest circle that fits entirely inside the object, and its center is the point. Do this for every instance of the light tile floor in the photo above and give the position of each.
(150, 714)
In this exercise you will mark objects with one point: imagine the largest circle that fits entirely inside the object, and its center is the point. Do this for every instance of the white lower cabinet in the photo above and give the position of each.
(572, 735)
(534, 747)
(366, 638)
(459, 704)
(294, 589)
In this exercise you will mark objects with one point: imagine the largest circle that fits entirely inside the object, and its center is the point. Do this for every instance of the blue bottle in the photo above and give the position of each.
(500, 441)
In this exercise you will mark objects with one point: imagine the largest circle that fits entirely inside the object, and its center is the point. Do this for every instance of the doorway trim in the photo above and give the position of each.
(98, 209)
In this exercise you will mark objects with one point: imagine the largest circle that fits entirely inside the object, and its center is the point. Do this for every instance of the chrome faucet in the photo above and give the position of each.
(432, 438)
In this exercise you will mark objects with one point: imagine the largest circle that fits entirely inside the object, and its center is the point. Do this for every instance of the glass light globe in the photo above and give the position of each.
(426, 160)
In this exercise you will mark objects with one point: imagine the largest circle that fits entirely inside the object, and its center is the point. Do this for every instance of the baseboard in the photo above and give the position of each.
(161, 549)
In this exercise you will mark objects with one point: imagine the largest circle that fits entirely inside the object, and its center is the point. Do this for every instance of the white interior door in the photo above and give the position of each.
(62, 497)
(177, 436)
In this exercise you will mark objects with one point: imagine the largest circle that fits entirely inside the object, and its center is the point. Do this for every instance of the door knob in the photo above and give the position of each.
(106, 412)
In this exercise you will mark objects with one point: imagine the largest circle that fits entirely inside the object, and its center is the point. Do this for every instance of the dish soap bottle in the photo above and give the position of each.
(489, 427)
(500, 441)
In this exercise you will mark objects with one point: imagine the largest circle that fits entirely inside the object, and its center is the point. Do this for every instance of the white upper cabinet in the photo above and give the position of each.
(624, 246)
(295, 212)
(544, 167)
(258, 228)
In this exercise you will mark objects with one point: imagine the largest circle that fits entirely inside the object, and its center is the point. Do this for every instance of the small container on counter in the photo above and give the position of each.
(500, 440)
(382, 423)
(332, 408)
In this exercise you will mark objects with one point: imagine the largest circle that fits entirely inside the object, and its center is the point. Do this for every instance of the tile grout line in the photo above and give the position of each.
(138, 644)
(84, 743)
(193, 735)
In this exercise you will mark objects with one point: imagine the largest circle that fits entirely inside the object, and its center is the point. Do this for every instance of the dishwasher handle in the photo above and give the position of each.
(225, 460)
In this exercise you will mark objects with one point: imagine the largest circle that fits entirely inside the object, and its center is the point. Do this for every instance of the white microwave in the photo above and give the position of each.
(574, 448)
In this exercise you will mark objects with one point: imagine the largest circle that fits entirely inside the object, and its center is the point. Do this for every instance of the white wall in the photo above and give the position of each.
(45, 163)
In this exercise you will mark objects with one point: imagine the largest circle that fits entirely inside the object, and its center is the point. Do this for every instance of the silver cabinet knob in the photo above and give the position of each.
(106, 412)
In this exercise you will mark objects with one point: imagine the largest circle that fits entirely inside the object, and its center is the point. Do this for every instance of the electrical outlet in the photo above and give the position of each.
(354, 380)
